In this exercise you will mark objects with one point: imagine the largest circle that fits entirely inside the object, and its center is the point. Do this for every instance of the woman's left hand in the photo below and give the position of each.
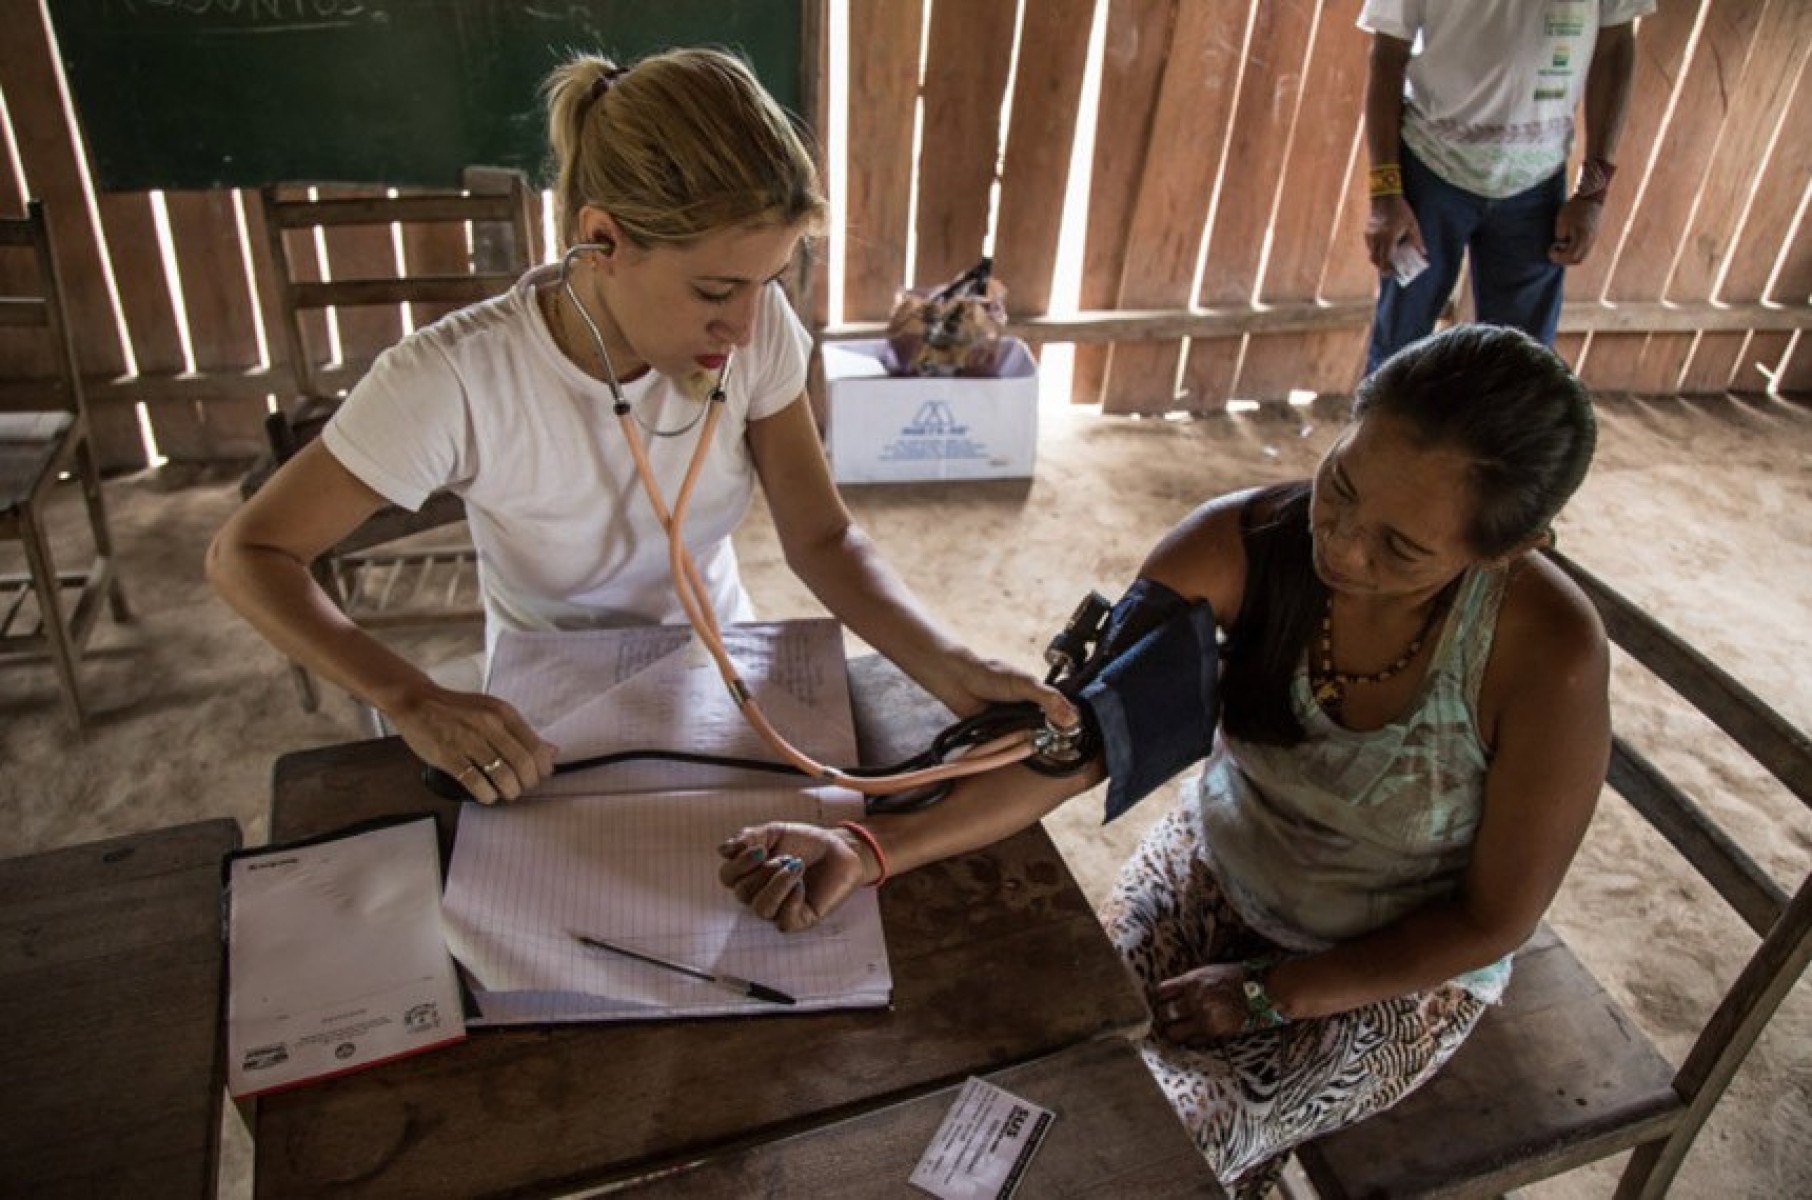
(981, 682)
(790, 873)
(1205, 1005)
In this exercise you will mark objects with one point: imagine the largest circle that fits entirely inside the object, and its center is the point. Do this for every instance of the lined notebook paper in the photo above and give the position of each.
(640, 869)
(638, 865)
(607, 690)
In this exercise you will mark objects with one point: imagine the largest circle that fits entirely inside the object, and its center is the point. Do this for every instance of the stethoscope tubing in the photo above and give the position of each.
(966, 732)
(689, 587)
(694, 598)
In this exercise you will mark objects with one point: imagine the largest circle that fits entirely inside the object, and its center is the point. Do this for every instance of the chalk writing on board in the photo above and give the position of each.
(195, 94)
(250, 15)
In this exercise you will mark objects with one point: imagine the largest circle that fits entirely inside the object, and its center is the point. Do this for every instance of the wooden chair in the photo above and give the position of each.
(1559, 1076)
(390, 587)
(38, 447)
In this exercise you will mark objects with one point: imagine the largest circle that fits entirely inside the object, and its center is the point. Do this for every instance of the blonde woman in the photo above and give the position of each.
(684, 193)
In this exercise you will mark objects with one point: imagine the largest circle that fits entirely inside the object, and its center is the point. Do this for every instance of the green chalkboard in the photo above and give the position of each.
(219, 93)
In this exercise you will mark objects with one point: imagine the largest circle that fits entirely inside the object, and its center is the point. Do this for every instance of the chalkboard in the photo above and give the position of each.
(238, 93)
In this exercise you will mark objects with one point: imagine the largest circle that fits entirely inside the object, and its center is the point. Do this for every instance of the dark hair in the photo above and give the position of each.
(1510, 405)
(1496, 395)
(1282, 601)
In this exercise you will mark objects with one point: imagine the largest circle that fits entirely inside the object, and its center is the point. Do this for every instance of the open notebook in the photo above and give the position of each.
(628, 853)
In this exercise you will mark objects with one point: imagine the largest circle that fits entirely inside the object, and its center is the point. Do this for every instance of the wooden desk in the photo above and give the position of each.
(112, 1064)
(997, 959)
(1115, 1135)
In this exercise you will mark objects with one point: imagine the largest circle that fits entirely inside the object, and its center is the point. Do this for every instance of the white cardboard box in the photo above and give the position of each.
(892, 429)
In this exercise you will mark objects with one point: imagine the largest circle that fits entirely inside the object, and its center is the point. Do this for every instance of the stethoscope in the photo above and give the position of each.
(1000, 735)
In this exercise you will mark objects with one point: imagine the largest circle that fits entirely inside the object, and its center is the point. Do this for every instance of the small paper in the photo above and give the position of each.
(982, 1149)
(1407, 262)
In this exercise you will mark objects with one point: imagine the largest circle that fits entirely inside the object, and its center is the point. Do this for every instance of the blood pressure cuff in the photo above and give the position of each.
(1152, 690)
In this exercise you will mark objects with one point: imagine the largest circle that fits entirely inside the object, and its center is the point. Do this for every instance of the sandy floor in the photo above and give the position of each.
(1695, 509)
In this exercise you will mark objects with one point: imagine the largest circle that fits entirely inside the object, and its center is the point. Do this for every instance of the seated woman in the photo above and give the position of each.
(1414, 730)
(683, 193)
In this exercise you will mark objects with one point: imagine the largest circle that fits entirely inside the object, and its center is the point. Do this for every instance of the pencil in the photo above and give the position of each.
(734, 983)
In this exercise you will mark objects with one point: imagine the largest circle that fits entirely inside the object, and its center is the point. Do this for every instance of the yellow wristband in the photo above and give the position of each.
(1387, 180)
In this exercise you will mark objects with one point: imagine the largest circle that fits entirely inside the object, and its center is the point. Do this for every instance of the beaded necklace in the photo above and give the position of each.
(1329, 686)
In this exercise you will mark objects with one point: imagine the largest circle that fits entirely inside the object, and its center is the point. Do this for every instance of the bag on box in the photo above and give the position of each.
(954, 330)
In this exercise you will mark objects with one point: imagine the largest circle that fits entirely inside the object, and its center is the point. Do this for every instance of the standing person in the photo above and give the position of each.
(1413, 731)
(1469, 141)
(686, 191)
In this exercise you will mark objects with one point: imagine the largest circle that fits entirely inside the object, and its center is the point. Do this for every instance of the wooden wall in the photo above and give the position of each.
(1229, 132)
(1226, 132)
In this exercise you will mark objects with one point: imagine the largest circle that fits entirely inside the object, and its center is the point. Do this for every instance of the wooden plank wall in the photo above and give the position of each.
(1302, 234)
(1228, 132)
(1134, 51)
(1226, 180)
(1275, 59)
(1173, 192)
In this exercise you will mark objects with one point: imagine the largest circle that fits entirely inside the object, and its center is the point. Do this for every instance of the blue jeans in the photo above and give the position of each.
(1513, 283)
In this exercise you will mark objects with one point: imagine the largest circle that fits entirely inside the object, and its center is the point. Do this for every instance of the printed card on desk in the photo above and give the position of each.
(984, 1145)
(335, 957)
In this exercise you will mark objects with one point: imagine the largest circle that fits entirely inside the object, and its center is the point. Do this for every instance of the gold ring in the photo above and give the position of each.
(465, 771)
(495, 763)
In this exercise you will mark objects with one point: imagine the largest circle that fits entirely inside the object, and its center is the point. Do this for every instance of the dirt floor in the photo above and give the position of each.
(1695, 509)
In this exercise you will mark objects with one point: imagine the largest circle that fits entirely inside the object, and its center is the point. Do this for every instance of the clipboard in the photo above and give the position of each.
(336, 960)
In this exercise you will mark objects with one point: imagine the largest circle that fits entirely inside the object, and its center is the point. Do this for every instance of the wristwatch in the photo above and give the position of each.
(1261, 1010)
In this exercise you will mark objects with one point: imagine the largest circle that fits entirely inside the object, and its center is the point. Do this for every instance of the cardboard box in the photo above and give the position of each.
(892, 429)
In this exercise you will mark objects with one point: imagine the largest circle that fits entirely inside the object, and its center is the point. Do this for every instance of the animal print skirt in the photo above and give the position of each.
(1250, 1099)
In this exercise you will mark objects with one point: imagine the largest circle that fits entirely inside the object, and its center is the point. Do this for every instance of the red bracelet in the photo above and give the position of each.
(868, 836)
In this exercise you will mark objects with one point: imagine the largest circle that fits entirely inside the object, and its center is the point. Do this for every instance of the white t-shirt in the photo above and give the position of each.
(483, 404)
(1490, 96)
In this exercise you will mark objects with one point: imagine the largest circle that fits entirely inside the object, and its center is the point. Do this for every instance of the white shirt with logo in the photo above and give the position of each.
(1491, 92)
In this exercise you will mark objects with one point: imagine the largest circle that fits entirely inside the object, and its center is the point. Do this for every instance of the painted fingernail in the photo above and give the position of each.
(758, 854)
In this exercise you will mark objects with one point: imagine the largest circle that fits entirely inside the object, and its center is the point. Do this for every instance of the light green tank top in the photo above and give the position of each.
(1345, 832)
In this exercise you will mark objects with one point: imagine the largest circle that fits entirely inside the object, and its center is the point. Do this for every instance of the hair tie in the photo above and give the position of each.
(602, 83)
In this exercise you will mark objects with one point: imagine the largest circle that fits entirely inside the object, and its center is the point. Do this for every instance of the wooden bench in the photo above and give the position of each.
(114, 1062)
(1114, 1135)
(1559, 1076)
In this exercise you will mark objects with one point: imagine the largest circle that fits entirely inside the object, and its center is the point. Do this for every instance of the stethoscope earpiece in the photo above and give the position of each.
(618, 403)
